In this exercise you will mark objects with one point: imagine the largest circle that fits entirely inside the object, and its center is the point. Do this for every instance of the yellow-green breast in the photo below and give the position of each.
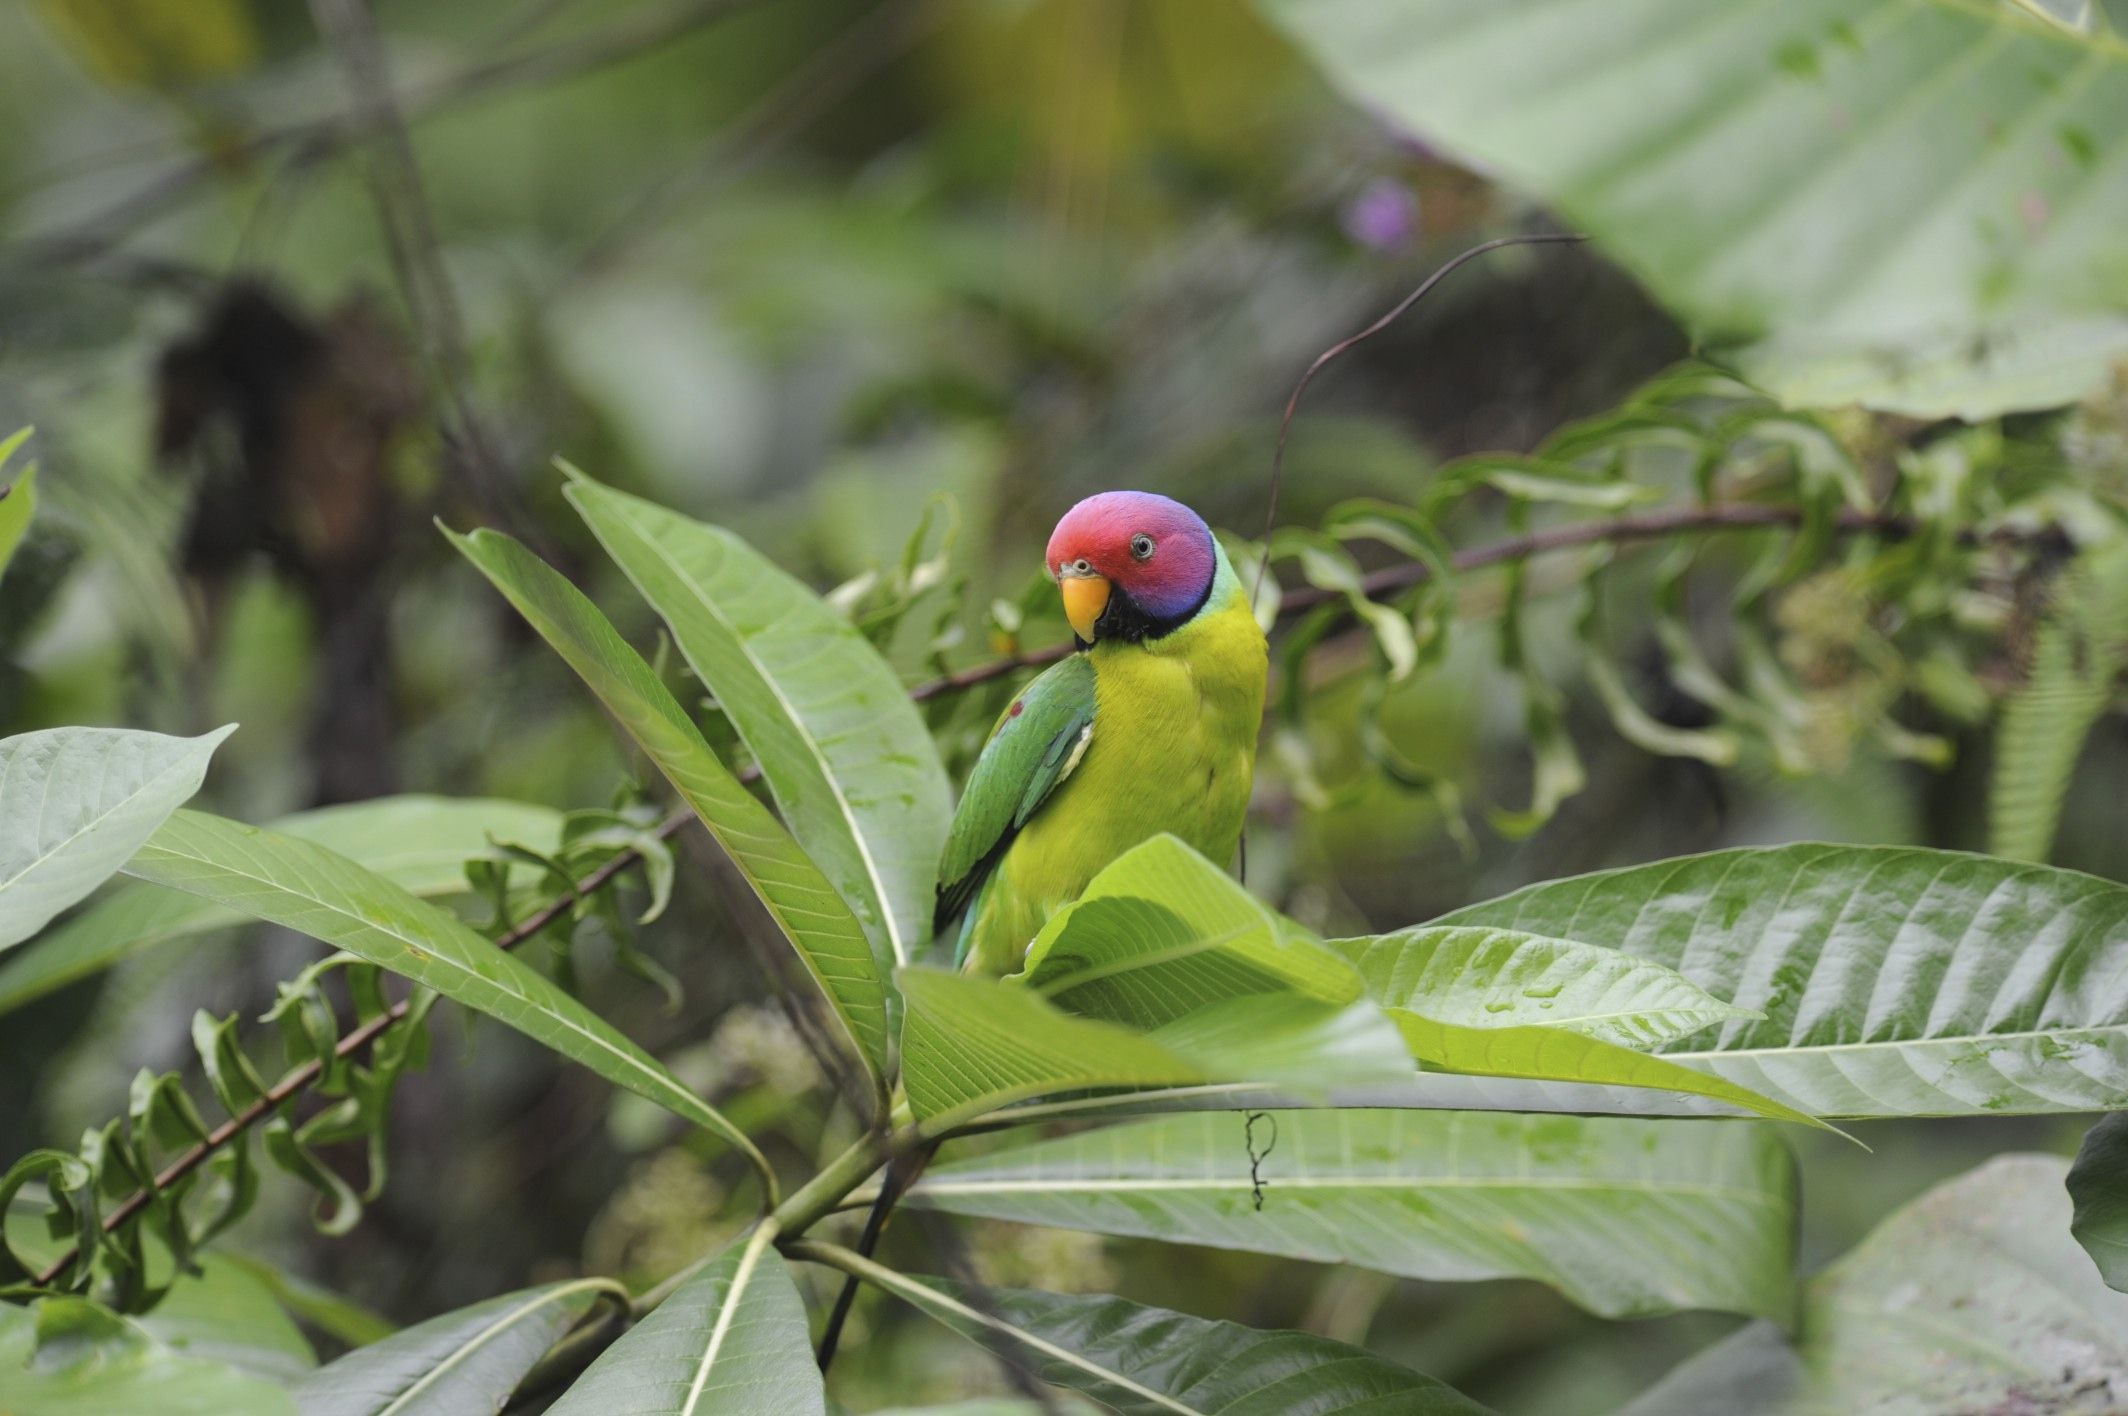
(1173, 749)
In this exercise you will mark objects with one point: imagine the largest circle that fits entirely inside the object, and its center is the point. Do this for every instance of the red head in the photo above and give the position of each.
(1131, 565)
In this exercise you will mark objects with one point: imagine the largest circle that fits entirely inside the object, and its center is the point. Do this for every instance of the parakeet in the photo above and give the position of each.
(1150, 727)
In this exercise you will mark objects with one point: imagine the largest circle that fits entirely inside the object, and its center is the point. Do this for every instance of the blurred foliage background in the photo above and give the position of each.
(885, 288)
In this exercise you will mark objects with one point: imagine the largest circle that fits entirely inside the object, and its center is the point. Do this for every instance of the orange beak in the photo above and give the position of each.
(1085, 597)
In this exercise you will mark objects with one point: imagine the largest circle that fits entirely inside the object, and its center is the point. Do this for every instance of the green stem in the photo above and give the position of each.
(823, 1194)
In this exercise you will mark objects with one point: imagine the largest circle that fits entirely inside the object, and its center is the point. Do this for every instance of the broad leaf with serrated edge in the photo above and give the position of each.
(1144, 1361)
(74, 803)
(731, 1341)
(304, 887)
(463, 1362)
(419, 842)
(827, 937)
(1623, 1216)
(1910, 204)
(844, 751)
(1893, 981)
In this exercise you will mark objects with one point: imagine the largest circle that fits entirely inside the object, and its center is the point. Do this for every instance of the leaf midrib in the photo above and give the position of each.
(489, 1333)
(428, 952)
(1953, 1040)
(804, 733)
(749, 1260)
(1243, 1184)
(1039, 1344)
(39, 861)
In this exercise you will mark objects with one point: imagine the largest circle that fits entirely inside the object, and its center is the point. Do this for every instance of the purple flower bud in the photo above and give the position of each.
(1383, 217)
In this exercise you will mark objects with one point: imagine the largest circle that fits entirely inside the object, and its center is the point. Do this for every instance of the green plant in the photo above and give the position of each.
(1544, 1086)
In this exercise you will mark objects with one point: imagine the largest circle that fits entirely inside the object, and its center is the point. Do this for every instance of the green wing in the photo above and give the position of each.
(1038, 739)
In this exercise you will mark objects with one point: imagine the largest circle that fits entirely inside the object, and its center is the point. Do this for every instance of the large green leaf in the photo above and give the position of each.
(74, 803)
(18, 499)
(1912, 204)
(971, 1045)
(1623, 1216)
(1161, 932)
(2098, 1185)
(70, 1357)
(226, 1314)
(731, 1341)
(1971, 1299)
(1143, 1361)
(1893, 981)
(828, 938)
(850, 762)
(1479, 978)
(300, 885)
(418, 842)
(462, 1364)
(1556, 1055)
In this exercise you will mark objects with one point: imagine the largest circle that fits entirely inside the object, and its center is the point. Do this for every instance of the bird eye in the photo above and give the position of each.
(1142, 546)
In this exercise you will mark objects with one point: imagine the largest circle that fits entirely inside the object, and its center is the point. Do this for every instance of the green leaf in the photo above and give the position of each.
(460, 1364)
(339, 1318)
(224, 1313)
(1556, 773)
(1329, 566)
(847, 756)
(2098, 1184)
(1971, 1299)
(1903, 203)
(303, 886)
(731, 1341)
(1554, 1054)
(829, 940)
(982, 1406)
(2077, 658)
(74, 803)
(1291, 1040)
(1893, 981)
(419, 842)
(1143, 1361)
(1483, 977)
(1623, 1216)
(969, 1045)
(1162, 931)
(18, 500)
(72, 1357)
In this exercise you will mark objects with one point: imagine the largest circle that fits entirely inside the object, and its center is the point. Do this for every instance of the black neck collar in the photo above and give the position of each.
(1124, 620)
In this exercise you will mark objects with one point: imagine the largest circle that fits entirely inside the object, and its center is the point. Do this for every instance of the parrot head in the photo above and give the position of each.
(1131, 565)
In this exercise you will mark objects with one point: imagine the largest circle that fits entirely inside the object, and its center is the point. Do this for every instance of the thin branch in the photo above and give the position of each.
(1350, 341)
(1393, 580)
(307, 1075)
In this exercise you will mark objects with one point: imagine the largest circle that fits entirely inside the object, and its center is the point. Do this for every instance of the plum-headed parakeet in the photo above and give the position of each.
(1151, 727)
